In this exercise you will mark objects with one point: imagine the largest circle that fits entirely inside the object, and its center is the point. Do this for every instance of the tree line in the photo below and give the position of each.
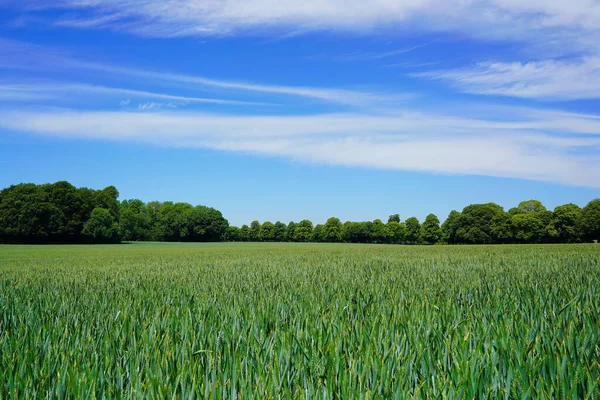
(529, 222)
(62, 213)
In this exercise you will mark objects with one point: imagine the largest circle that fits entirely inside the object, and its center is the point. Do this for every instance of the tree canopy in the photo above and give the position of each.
(62, 213)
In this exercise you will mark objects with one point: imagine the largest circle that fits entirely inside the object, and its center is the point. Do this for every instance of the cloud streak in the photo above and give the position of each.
(28, 91)
(489, 19)
(341, 96)
(529, 147)
(547, 79)
(25, 56)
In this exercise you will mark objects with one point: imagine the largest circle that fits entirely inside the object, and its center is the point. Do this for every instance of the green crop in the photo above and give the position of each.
(299, 321)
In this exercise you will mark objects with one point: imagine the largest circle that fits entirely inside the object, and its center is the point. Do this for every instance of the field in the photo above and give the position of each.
(299, 321)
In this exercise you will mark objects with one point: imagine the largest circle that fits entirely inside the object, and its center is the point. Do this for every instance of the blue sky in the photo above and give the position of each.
(284, 110)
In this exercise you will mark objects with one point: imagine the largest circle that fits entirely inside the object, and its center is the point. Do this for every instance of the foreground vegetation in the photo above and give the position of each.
(299, 321)
(61, 213)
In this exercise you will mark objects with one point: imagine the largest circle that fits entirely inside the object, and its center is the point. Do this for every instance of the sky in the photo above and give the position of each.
(285, 110)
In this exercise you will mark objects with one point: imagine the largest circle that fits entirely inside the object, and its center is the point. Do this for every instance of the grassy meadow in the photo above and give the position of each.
(299, 321)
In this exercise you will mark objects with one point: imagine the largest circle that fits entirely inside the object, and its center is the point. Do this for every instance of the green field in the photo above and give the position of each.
(299, 321)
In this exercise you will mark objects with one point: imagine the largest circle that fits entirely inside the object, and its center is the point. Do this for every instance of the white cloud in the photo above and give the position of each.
(17, 93)
(153, 106)
(514, 19)
(378, 56)
(67, 90)
(23, 56)
(341, 96)
(548, 79)
(528, 147)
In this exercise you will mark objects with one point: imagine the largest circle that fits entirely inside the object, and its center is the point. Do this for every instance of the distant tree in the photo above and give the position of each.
(413, 230)
(589, 221)
(394, 218)
(333, 230)
(319, 234)
(245, 233)
(346, 231)
(430, 230)
(528, 228)
(233, 234)
(205, 224)
(290, 233)
(267, 232)
(396, 232)
(303, 231)
(134, 222)
(101, 226)
(565, 220)
(69, 217)
(49, 213)
(280, 232)
(255, 231)
(358, 232)
(26, 215)
(107, 198)
(515, 211)
(531, 206)
(449, 227)
(163, 220)
(502, 228)
(379, 233)
(474, 223)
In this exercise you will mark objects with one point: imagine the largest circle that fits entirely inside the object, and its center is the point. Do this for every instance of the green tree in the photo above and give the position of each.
(379, 233)
(290, 232)
(528, 228)
(449, 227)
(319, 234)
(333, 230)
(502, 228)
(101, 226)
(396, 232)
(233, 234)
(245, 233)
(515, 211)
(430, 230)
(565, 220)
(394, 218)
(69, 217)
(267, 232)
(134, 222)
(474, 225)
(358, 232)
(303, 231)
(413, 230)
(531, 206)
(49, 213)
(589, 221)
(25, 214)
(204, 224)
(255, 231)
(280, 231)
(107, 198)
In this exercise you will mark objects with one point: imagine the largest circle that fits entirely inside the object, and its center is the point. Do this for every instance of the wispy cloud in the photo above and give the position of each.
(413, 65)
(548, 79)
(24, 56)
(545, 145)
(356, 56)
(341, 96)
(492, 19)
(153, 106)
(65, 90)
